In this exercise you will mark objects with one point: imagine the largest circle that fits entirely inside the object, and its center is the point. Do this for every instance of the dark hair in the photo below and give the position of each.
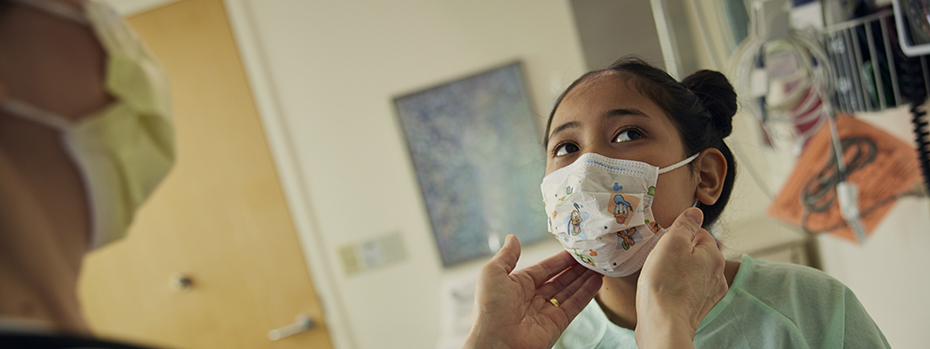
(701, 107)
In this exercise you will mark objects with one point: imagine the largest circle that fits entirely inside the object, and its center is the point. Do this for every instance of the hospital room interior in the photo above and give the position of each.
(343, 169)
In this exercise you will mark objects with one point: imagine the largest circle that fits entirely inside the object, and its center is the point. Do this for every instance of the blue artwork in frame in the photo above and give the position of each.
(478, 155)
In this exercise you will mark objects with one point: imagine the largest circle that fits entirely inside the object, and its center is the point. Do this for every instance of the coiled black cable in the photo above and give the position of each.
(922, 137)
(913, 89)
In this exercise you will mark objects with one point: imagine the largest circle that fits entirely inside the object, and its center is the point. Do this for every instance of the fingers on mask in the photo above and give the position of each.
(688, 221)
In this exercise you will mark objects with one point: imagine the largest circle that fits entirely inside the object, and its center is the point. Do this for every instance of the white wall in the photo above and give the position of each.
(327, 71)
(889, 272)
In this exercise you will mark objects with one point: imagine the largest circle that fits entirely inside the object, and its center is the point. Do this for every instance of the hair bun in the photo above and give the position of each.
(716, 95)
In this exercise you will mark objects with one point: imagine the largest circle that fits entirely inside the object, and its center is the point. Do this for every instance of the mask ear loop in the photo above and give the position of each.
(678, 164)
(31, 113)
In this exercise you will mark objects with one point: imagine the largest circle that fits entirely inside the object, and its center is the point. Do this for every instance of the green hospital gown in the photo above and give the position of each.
(769, 305)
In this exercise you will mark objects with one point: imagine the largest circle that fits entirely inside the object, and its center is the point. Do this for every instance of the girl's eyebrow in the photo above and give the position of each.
(625, 112)
(620, 112)
(563, 127)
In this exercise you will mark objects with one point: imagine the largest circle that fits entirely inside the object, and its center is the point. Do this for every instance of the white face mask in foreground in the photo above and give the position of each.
(127, 148)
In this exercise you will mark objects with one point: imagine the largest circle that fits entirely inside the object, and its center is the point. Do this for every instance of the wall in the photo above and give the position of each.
(889, 272)
(324, 74)
(606, 29)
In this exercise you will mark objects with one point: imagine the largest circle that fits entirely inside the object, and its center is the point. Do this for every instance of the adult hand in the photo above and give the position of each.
(682, 279)
(513, 308)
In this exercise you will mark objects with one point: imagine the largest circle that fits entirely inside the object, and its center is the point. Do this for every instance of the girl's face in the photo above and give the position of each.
(607, 116)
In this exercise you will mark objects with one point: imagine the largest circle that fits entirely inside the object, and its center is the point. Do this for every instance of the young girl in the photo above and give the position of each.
(633, 123)
(631, 130)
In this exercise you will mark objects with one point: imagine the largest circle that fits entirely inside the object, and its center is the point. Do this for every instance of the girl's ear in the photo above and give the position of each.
(712, 170)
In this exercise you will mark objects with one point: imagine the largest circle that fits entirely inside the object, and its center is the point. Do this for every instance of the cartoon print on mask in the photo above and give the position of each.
(653, 226)
(585, 259)
(622, 207)
(574, 221)
(549, 219)
(568, 194)
(651, 191)
(628, 238)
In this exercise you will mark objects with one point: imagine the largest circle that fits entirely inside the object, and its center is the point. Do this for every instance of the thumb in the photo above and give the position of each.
(508, 255)
(688, 224)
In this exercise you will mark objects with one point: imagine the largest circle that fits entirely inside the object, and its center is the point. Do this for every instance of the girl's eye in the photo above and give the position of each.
(565, 149)
(628, 135)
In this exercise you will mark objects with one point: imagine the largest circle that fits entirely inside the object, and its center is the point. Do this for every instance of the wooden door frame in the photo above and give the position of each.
(297, 194)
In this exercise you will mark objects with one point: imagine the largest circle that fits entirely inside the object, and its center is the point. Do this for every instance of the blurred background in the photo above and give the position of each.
(297, 214)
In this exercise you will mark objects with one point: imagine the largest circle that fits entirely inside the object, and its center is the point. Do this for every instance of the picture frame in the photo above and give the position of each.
(476, 148)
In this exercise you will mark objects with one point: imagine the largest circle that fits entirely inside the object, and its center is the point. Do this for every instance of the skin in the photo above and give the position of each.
(59, 67)
(513, 308)
(681, 281)
(589, 119)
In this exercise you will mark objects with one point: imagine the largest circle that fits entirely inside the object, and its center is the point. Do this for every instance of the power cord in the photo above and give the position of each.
(830, 185)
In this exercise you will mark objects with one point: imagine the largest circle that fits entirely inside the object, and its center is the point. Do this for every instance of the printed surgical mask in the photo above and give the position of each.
(600, 209)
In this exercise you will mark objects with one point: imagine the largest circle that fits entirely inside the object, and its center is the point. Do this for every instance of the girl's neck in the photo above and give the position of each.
(617, 296)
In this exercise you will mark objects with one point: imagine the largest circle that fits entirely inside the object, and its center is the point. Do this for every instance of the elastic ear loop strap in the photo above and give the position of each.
(31, 113)
(679, 164)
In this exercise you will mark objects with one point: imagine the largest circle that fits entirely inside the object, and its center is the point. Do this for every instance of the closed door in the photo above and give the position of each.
(212, 259)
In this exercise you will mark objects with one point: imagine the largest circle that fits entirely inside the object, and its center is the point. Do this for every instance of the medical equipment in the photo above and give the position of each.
(856, 66)
(786, 78)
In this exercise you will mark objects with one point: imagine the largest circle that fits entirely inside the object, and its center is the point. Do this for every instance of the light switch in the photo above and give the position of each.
(375, 253)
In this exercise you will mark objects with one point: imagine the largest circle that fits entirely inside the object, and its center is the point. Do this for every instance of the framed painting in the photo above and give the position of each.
(477, 152)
